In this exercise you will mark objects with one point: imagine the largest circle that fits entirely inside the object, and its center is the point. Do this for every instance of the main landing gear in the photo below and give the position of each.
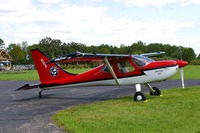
(140, 96)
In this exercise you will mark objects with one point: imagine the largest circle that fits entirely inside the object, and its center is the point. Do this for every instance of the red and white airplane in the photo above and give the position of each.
(116, 70)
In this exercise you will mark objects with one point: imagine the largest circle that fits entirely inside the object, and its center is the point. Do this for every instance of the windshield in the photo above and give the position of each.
(141, 60)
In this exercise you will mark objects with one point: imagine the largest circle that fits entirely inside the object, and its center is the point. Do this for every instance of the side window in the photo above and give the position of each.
(125, 67)
(105, 69)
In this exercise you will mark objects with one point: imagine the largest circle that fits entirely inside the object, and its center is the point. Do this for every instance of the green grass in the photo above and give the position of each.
(32, 74)
(22, 75)
(177, 111)
(190, 72)
(77, 71)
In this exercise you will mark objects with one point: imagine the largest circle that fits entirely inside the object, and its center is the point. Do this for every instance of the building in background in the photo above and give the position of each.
(5, 60)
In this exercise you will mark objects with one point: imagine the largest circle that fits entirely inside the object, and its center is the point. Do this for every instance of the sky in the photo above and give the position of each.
(95, 22)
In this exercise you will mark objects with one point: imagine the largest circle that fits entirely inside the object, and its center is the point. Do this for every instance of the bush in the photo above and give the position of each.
(195, 62)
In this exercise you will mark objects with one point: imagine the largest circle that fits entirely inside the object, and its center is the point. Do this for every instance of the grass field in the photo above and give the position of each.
(177, 111)
(32, 74)
(22, 75)
(190, 72)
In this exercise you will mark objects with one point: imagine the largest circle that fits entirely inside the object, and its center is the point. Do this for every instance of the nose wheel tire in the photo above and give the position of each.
(156, 92)
(139, 96)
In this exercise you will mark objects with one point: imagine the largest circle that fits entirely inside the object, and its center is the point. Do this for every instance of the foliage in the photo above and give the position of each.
(55, 47)
(188, 54)
(1, 42)
(51, 47)
(195, 62)
(178, 110)
(137, 48)
(198, 57)
(17, 53)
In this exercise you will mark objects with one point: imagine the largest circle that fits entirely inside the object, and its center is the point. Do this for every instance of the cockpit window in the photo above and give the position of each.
(125, 67)
(141, 60)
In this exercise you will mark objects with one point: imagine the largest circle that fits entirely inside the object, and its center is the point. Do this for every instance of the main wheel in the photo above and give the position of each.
(156, 92)
(139, 96)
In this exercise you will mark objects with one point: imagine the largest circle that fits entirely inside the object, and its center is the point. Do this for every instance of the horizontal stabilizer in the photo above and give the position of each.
(28, 87)
(153, 54)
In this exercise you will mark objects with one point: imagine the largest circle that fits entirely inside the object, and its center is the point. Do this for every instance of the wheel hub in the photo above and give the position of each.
(139, 97)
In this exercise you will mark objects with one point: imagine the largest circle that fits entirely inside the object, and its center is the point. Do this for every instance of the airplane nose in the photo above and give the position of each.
(182, 63)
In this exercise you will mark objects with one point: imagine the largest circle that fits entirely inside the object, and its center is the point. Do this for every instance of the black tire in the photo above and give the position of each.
(156, 93)
(139, 96)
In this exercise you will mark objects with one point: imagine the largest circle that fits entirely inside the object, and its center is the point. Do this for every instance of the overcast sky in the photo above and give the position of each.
(94, 22)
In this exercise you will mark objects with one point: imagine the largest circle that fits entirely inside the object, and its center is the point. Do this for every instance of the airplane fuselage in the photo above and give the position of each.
(118, 70)
(155, 71)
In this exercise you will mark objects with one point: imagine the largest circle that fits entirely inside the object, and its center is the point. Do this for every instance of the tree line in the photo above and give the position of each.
(54, 47)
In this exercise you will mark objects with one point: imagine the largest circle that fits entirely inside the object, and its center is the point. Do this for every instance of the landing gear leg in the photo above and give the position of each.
(139, 96)
(154, 91)
(40, 93)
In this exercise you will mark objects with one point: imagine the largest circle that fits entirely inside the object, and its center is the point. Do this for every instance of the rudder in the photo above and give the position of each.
(47, 72)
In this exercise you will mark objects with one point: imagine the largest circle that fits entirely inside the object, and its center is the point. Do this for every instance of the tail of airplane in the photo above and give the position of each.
(47, 72)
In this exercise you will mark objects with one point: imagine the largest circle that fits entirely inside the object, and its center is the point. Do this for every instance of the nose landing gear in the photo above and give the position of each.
(140, 96)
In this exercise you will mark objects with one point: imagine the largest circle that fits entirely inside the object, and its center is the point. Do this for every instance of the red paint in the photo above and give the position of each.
(182, 63)
(97, 73)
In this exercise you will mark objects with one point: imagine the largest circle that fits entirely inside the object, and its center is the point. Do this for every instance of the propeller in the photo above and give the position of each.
(182, 77)
(181, 68)
(181, 64)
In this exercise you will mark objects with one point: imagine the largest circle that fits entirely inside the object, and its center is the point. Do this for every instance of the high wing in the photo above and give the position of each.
(87, 57)
(93, 57)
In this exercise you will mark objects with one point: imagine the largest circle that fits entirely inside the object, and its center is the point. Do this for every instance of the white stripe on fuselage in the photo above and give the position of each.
(154, 75)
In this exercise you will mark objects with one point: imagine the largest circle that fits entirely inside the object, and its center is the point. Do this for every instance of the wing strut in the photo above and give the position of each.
(111, 70)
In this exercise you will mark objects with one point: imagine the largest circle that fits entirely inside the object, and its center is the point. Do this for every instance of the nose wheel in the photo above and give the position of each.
(156, 92)
(139, 96)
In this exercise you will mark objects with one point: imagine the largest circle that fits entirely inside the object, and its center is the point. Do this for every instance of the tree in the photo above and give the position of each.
(2, 45)
(123, 49)
(138, 48)
(16, 52)
(1, 41)
(188, 54)
(52, 47)
(104, 49)
(198, 57)
(155, 47)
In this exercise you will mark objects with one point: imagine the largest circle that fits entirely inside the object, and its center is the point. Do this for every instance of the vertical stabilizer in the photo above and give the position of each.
(47, 72)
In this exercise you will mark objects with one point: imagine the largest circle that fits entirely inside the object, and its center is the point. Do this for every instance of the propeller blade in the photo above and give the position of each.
(182, 77)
